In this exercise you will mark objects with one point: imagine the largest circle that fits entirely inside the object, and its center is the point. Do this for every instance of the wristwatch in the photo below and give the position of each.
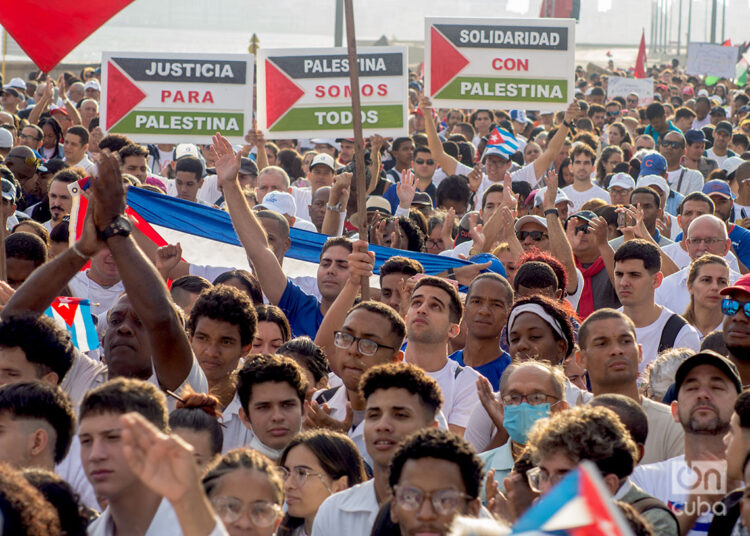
(335, 208)
(119, 227)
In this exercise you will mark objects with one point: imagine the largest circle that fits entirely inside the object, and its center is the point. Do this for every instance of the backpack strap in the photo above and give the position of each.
(670, 331)
(679, 181)
(644, 504)
(326, 395)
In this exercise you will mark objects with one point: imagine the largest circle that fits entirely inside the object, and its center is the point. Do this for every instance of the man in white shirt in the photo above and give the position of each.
(611, 354)
(320, 174)
(432, 319)
(707, 385)
(722, 136)
(582, 159)
(284, 204)
(680, 179)
(75, 146)
(400, 399)
(702, 107)
(60, 198)
(637, 274)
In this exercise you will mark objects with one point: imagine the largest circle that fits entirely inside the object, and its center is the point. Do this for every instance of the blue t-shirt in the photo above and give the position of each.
(391, 194)
(740, 238)
(302, 310)
(492, 370)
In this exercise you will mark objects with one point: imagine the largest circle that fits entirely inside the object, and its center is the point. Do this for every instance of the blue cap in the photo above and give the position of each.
(718, 187)
(653, 164)
(695, 135)
(519, 115)
(496, 265)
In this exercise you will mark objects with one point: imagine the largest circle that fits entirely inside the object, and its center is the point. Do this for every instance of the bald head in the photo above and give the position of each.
(742, 172)
(17, 162)
(707, 234)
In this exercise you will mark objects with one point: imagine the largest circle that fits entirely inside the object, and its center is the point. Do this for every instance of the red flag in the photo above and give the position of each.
(727, 43)
(640, 61)
(48, 31)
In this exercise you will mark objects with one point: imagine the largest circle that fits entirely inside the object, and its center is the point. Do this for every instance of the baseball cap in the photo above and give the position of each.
(422, 199)
(742, 283)
(281, 202)
(185, 149)
(724, 126)
(561, 197)
(375, 203)
(350, 140)
(17, 83)
(687, 90)
(323, 158)
(519, 116)
(58, 110)
(92, 84)
(489, 151)
(586, 215)
(248, 166)
(12, 91)
(6, 139)
(622, 180)
(529, 219)
(745, 121)
(708, 357)
(731, 164)
(654, 180)
(9, 190)
(326, 141)
(718, 187)
(653, 164)
(718, 110)
(695, 135)
(703, 93)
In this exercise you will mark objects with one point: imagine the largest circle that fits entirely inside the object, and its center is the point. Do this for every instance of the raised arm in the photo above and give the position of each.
(246, 224)
(256, 137)
(172, 356)
(43, 104)
(558, 241)
(340, 192)
(75, 117)
(600, 229)
(446, 162)
(544, 161)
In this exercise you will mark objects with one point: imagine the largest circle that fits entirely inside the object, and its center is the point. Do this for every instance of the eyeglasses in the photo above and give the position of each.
(444, 501)
(300, 475)
(533, 399)
(536, 477)
(420, 161)
(536, 236)
(730, 307)
(585, 229)
(432, 243)
(28, 137)
(707, 241)
(262, 513)
(672, 144)
(366, 347)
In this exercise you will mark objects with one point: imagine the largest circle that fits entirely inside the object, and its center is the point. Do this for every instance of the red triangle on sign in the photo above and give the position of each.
(281, 93)
(122, 95)
(445, 61)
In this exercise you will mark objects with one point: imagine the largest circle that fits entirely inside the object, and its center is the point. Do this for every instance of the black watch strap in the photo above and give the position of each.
(119, 227)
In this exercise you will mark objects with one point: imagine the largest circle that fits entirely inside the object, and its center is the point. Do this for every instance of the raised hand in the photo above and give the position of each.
(227, 163)
(600, 230)
(510, 199)
(255, 137)
(108, 190)
(475, 177)
(425, 104)
(551, 193)
(319, 416)
(573, 112)
(167, 257)
(406, 189)
(361, 262)
(446, 231)
(489, 401)
(89, 244)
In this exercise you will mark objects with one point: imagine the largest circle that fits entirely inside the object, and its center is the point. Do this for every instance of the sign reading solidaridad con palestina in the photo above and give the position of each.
(307, 93)
(500, 63)
(174, 98)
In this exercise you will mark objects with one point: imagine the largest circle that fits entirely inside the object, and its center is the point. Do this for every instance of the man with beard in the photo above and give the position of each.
(736, 328)
(60, 198)
(707, 385)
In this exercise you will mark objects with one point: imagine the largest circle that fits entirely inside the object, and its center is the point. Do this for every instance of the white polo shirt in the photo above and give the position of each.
(351, 512)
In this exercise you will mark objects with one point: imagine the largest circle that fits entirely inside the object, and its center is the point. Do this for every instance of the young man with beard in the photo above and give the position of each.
(400, 399)
(60, 198)
(707, 385)
(736, 327)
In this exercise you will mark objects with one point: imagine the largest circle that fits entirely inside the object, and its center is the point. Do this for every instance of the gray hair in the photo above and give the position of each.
(556, 372)
(661, 372)
(279, 171)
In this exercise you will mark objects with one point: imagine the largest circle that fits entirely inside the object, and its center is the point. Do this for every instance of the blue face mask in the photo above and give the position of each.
(519, 419)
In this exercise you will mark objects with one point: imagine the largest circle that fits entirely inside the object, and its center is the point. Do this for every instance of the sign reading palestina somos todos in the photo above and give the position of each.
(500, 63)
(175, 98)
(305, 93)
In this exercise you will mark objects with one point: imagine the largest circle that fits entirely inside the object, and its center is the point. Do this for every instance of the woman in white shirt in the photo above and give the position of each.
(707, 276)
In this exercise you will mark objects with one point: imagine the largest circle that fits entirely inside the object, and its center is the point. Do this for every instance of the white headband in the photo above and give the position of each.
(540, 312)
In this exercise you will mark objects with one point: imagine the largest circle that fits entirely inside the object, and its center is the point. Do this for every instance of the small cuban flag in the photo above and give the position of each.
(75, 315)
(503, 140)
(579, 505)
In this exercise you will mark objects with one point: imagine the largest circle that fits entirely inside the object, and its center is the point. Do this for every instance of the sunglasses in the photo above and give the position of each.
(536, 236)
(420, 161)
(730, 307)
(613, 114)
(672, 144)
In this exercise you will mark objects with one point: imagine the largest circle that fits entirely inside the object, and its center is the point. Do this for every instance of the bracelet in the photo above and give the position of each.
(552, 211)
(78, 252)
(451, 273)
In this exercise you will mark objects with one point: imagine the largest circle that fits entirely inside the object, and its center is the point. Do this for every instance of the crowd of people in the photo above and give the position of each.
(611, 323)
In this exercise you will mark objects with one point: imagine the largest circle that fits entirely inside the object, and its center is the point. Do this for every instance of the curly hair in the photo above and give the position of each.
(556, 311)
(659, 375)
(441, 445)
(226, 304)
(586, 433)
(400, 265)
(243, 458)
(61, 495)
(262, 368)
(24, 509)
(132, 149)
(535, 254)
(403, 376)
(414, 235)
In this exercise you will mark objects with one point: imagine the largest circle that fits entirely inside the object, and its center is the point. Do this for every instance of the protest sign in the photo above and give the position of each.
(618, 86)
(306, 92)
(175, 98)
(500, 63)
(705, 59)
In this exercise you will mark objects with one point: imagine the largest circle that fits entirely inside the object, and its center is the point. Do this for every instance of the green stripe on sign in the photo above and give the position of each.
(330, 117)
(198, 123)
(505, 89)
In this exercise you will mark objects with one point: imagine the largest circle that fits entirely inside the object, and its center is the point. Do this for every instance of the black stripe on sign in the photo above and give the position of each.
(171, 70)
(337, 66)
(507, 37)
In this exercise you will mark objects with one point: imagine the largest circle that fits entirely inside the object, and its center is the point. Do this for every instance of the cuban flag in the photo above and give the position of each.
(75, 315)
(503, 140)
(208, 237)
(579, 505)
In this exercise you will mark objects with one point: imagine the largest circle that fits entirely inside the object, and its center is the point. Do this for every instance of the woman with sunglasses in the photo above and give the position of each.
(315, 465)
(708, 275)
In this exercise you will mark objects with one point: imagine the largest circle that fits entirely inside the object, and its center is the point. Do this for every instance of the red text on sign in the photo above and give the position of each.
(367, 90)
(190, 97)
(510, 64)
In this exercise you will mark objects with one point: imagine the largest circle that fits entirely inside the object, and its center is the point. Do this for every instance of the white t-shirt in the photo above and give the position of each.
(88, 166)
(673, 291)
(101, 298)
(681, 258)
(660, 479)
(713, 156)
(580, 198)
(302, 198)
(305, 225)
(236, 434)
(459, 387)
(649, 336)
(692, 181)
(350, 512)
(84, 374)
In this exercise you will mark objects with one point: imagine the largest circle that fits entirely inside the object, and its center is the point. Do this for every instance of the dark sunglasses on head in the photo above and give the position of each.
(420, 161)
(730, 307)
(536, 236)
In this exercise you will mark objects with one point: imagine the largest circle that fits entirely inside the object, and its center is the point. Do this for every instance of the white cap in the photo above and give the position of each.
(6, 139)
(326, 141)
(17, 83)
(654, 180)
(529, 219)
(92, 84)
(622, 180)
(281, 202)
(561, 197)
(323, 158)
(703, 93)
(731, 164)
(185, 149)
